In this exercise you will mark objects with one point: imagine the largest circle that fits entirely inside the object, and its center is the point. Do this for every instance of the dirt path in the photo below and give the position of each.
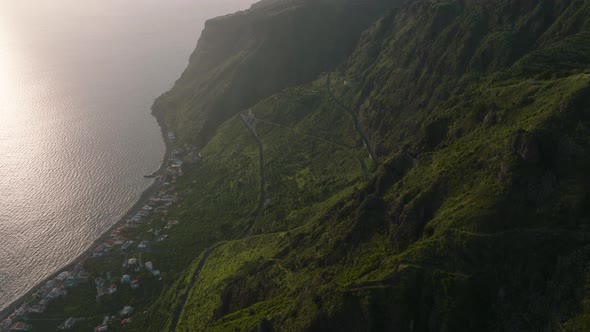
(262, 200)
(260, 207)
(355, 121)
(184, 297)
(194, 279)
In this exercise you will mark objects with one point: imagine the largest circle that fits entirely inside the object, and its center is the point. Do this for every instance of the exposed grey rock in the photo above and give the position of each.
(504, 173)
(264, 326)
(490, 119)
(564, 106)
(526, 145)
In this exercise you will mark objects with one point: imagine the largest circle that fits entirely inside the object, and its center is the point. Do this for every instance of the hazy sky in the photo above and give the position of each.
(70, 18)
(58, 27)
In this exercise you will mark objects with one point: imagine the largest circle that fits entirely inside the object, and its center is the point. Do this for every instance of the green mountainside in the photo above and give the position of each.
(408, 167)
(245, 57)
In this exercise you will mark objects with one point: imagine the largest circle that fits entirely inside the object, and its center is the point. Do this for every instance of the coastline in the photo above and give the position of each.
(139, 203)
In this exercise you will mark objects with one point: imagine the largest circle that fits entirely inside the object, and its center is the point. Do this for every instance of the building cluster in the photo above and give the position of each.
(104, 326)
(186, 153)
(104, 286)
(48, 292)
(68, 324)
(158, 204)
(124, 317)
(174, 170)
(134, 265)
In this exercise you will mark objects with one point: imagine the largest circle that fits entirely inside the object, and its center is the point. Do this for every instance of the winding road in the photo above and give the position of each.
(184, 296)
(355, 121)
(250, 124)
(250, 121)
(255, 214)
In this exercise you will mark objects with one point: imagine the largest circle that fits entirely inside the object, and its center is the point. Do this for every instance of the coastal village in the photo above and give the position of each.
(132, 238)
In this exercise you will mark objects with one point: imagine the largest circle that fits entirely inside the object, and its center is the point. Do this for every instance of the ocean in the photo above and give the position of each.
(77, 79)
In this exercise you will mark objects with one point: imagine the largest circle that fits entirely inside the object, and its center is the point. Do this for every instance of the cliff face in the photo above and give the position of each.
(431, 52)
(247, 56)
(473, 216)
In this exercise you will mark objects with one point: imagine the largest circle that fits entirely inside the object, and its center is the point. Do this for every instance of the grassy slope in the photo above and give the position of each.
(245, 57)
(476, 218)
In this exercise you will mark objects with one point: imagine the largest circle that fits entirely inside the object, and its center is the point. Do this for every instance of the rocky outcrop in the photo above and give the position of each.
(526, 146)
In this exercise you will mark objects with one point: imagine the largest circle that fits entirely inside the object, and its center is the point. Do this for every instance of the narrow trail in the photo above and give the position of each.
(355, 121)
(262, 200)
(344, 146)
(250, 122)
(184, 297)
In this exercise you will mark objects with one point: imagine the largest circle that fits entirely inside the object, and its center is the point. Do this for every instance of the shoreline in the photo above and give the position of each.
(139, 203)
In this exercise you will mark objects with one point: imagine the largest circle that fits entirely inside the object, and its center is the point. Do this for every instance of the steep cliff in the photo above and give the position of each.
(247, 56)
(472, 212)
